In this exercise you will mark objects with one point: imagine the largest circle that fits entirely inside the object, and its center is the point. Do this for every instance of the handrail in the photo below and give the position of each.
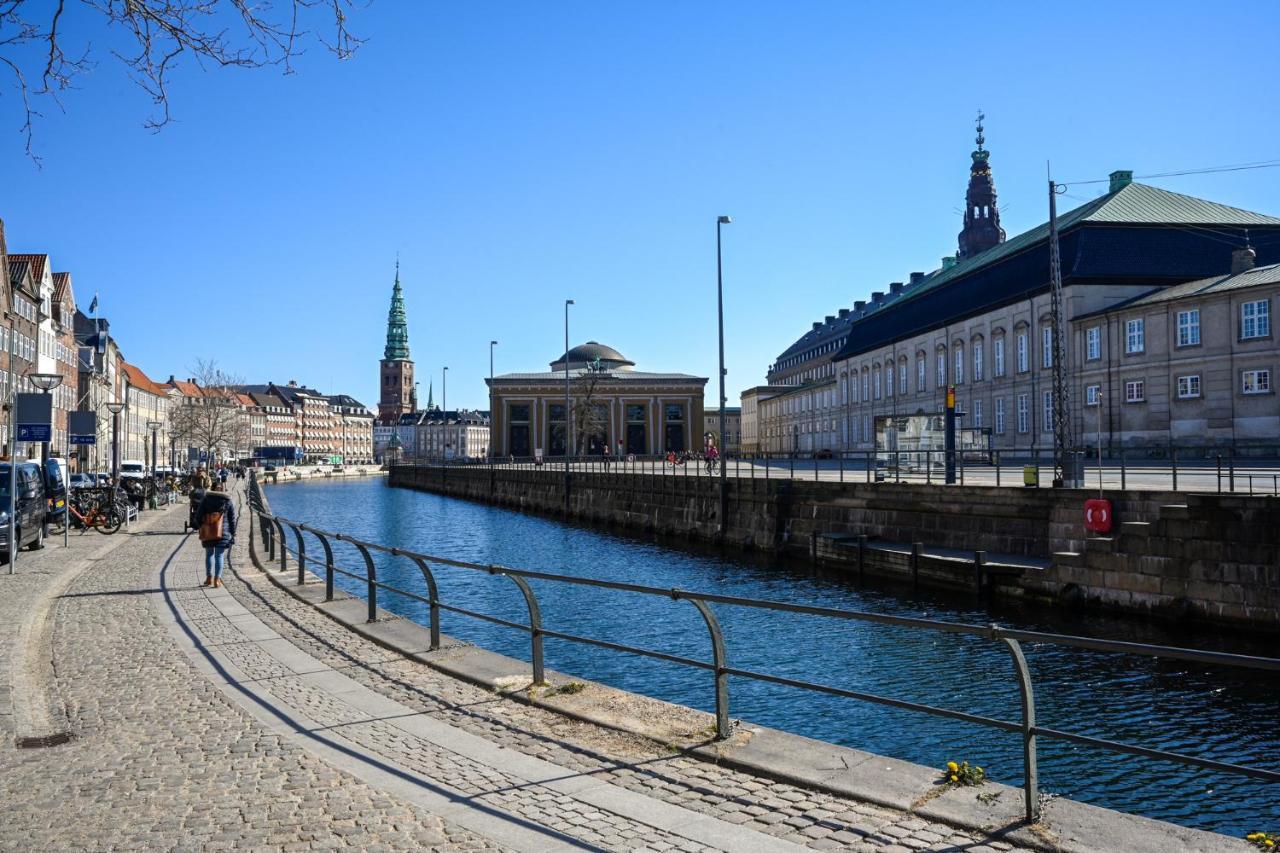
(1011, 639)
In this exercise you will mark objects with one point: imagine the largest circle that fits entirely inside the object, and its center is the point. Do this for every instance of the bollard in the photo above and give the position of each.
(915, 566)
(979, 570)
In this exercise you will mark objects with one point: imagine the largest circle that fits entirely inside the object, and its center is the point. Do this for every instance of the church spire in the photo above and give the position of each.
(397, 324)
(981, 215)
(431, 394)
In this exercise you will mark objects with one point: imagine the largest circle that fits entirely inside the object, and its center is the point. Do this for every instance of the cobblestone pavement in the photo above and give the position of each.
(162, 759)
(793, 814)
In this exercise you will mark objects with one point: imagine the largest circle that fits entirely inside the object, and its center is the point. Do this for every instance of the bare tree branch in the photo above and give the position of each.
(154, 35)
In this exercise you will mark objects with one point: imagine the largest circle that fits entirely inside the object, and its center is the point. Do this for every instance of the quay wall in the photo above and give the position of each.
(1204, 557)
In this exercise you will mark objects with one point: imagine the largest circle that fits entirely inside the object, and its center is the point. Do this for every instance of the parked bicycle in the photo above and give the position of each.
(96, 509)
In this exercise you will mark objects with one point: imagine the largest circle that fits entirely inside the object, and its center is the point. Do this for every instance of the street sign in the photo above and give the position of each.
(35, 432)
(84, 439)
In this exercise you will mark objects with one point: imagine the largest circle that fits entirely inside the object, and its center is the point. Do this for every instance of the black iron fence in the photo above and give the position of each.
(1251, 470)
(275, 543)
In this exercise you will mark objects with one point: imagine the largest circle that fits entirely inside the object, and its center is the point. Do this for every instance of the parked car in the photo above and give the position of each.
(133, 468)
(30, 507)
(83, 481)
(55, 482)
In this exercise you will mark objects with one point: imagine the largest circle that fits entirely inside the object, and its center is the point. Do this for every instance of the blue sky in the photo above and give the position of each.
(519, 154)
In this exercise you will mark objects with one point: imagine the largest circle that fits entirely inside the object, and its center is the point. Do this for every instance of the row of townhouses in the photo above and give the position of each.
(159, 423)
(1168, 313)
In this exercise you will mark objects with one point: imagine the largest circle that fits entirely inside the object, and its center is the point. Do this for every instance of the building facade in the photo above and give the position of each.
(732, 428)
(608, 403)
(461, 434)
(397, 395)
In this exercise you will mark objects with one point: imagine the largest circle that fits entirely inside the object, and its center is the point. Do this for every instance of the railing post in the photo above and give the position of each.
(1173, 455)
(284, 547)
(979, 570)
(302, 553)
(997, 458)
(371, 577)
(1030, 773)
(535, 622)
(269, 534)
(433, 594)
(1219, 473)
(255, 519)
(1124, 472)
(718, 658)
(862, 556)
(915, 565)
(1231, 469)
(328, 563)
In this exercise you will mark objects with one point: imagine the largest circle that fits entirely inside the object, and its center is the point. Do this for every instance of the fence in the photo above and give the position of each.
(1253, 470)
(275, 542)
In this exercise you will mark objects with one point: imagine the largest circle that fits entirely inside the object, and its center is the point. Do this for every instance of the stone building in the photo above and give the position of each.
(462, 434)
(1194, 364)
(751, 425)
(21, 338)
(610, 403)
(146, 402)
(353, 429)
(65, 351)
(732, 428)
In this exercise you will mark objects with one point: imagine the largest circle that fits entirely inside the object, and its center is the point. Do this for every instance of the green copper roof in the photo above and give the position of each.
(397, 325)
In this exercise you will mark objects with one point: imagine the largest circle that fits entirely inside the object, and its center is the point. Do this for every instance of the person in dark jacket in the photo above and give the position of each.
(215, 549)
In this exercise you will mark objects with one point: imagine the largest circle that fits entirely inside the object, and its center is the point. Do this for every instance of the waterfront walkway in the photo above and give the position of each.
(242, 718)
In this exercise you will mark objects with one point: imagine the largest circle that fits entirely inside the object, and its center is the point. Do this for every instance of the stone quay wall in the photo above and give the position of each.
(1211, 557)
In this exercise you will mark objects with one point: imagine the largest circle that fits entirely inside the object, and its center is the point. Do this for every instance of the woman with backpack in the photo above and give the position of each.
(216, 521)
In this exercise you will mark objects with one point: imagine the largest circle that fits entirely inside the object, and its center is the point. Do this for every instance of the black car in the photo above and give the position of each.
(31, 506)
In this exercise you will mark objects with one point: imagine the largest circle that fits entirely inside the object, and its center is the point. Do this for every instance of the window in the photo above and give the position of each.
(977, 361)
(1046, 347)
(1047, 424)
(1000, 416)
(1189, 327)
(1135, 391)
(1093, 343)
(1022, 413)
(1256, 382)
(997, 349)
(865, 381)
(876, 381)
(1188, 387)
(1255, 319)
(1022, 352)
(866, 428)
(977, 413)
(920, 373)
(942, 368)
(902, 377)
(959, 349)
(888, 380)
(1092, 393)
(1134, 336)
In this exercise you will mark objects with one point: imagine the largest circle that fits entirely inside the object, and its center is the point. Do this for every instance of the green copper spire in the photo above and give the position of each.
(397, 324)
(431, 404)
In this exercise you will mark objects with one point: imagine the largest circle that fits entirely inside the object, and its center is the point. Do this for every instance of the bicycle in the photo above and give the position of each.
(105, 520)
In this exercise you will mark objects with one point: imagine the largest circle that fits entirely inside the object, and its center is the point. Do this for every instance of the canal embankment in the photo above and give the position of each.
(994, 809)
(1212, 558)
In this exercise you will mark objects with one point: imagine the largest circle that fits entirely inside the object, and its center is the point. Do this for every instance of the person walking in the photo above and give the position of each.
(607, 455)
(216, 521)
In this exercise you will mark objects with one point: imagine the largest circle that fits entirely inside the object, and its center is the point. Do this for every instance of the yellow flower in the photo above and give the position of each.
(955, 778)
(1269, 843)
(979, 769)
(952, 766)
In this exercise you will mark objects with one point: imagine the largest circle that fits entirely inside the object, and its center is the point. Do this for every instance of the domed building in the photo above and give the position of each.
(611, 404)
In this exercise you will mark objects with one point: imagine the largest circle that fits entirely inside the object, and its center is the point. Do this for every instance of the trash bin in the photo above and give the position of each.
(1031, 476)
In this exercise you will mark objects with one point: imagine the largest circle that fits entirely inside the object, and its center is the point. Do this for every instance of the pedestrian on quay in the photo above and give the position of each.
(607, 456)
(200, 479)
(216, 521)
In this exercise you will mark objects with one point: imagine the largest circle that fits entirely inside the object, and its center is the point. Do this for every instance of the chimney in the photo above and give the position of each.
(293, 383)
(1242, 260)
(1120, 179)
(844, 312)
(948, 261)
(895, 287)
(830, 319)
(859, 305)
(916, 278)
(876, 296)
(817, 326)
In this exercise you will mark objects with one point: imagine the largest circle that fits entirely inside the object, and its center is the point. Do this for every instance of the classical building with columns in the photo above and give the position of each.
(610, 404)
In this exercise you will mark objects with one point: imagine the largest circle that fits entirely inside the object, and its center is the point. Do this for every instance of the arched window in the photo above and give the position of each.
(958, 349)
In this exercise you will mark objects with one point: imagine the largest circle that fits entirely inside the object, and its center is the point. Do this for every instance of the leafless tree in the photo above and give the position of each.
(589, 417)
(214, 420)
(45, 44)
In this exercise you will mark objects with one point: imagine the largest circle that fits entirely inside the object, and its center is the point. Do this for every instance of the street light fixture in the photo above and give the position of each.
(115, 408)
(153, 426)
(724, 468)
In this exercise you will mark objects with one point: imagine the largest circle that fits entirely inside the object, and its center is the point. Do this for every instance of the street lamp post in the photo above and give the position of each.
(46, 382)
(444, 412)
(724, 468)
(154, 426)
(568, 440)
(492, 344)
(115, 408)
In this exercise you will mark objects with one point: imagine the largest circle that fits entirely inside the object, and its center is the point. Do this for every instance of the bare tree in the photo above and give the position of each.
(45, 44)
(589, 417)
(212, 421)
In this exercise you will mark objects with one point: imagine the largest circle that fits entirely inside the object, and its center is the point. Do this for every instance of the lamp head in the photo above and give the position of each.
(569, 302)
(45, 381)
(724, 220)
(115, 408)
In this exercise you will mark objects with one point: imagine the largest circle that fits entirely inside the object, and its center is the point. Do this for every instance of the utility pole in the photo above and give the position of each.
(1064, 463)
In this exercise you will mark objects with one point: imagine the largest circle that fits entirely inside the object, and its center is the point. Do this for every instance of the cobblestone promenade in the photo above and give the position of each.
(241, 718)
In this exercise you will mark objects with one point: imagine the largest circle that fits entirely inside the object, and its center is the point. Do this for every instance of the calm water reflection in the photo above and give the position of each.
(1228, 715)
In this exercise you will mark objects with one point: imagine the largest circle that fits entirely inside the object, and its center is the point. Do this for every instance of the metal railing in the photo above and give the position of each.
(272, 528)
(1251, 470)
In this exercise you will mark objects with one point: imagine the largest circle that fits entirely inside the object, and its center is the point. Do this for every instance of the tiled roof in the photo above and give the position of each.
(188, 389)
(61, 281)
(616, 376)
(38, 263)
(17, 269)
(1256, 277)
(138, 379)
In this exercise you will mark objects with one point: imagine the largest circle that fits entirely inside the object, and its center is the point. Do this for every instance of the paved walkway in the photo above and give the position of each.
(242, 718)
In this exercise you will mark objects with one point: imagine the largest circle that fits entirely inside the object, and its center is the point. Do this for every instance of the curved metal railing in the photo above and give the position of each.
(272, 529)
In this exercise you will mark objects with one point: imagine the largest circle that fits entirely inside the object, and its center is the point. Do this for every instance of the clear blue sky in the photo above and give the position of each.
(518, 154)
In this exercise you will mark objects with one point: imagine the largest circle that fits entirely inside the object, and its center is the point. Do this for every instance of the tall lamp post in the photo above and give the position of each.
(492, 344)
(153, 426)
(444, 411)
(115, 408)
(722, 221)
(567, 433)
(46, 382)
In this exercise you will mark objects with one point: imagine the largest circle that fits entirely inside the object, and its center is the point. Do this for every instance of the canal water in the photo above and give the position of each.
(1229, 715)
